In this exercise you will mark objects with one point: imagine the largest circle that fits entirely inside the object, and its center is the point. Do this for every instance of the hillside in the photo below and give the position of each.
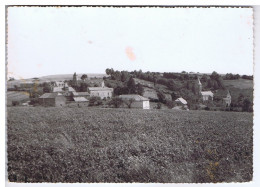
(128, 145)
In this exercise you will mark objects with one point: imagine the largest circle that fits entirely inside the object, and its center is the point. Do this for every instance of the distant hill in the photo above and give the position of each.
(69, 76)
(59, 77)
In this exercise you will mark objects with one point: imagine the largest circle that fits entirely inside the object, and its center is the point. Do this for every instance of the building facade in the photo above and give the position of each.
(137, 101)
(52, 99)
(102, 91)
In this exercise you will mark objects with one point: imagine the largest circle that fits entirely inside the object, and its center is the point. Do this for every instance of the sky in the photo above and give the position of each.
(51, 40)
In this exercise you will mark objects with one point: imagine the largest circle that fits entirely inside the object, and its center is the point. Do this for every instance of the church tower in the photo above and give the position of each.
(75, 79)
(200, 85)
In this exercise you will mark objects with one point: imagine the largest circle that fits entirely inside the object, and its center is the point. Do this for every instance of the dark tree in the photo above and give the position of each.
(83, 87)
(129, 102)
(246, 105)
(84, 77)
(95, 101)
(46, 88)
(139, 89)
(116, 102)
(131, 86)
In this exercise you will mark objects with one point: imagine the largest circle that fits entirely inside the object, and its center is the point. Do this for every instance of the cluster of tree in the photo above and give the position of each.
(243, 102)
(126, 87)
(230, 76)
(95, 101)
(248, 77)
(215, 82)
(118, 75)
(79, 86)
(180, 76)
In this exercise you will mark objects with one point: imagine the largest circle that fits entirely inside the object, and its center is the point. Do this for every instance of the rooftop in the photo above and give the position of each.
(135, 97)
(99, 88)
(206, 93)
(183, 101)
(80, 99)
(50, 95)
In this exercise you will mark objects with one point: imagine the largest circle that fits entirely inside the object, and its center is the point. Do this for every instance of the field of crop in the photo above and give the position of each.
(128, 145)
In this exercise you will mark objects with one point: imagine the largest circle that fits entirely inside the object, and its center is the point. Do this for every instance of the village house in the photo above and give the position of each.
(80, 96)
(137, 101)
(205, 95)
(181, 101)
(181, 104)
(59, 84)
(52, 99)
(102, 91)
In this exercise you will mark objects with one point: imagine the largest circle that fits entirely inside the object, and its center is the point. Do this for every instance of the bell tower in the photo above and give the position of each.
(200, 85)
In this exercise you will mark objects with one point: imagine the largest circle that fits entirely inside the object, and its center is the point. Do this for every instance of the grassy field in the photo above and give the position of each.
(128, 145)
(239, 83)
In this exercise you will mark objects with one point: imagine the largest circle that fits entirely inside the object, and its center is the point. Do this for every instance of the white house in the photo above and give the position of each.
(137, 101)
(102, 92)
(207, 95)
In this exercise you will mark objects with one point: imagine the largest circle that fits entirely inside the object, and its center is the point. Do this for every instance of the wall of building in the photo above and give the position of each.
(102, 94)
(146, 105)
(60, 101)
(138, 104)
(47, 101)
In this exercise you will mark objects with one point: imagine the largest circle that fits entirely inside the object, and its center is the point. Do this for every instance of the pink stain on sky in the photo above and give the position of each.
(130, 54)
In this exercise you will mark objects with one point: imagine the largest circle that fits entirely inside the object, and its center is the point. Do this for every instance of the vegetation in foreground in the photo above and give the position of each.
(111, 145)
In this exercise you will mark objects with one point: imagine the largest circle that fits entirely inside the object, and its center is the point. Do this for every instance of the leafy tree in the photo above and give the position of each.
(139, 89)
(159, 106)
(116, 102)
(11, 79)
(161, 97)
(46, 88)
(83, 87)
(84, 77)
(95, 101)
(129, 102)
(174, 96)
(169, 103)
(214, 75)
(120, 90)
(246, 105)
(131, 86)
(124, 76)
(108, 71)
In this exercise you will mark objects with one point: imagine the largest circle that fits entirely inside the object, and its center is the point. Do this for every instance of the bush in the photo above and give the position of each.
(159, 106)
(15, 103)
(116, 102)
(207, 108)
(95, 101)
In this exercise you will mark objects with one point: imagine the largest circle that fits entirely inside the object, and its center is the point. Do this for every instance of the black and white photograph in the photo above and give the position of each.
(109, 94)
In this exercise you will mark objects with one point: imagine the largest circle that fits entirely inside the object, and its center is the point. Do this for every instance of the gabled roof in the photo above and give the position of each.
(134, 96)
(57, 89)
(71, 89)
(207, 93)
(80, 94)
(183, 101)
(83, 93)
(80, 99)
(50, 95)
(60, 89)
(100, 89)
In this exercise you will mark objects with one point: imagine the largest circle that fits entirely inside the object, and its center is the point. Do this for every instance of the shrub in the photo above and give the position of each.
(95, 101)
(207, 108)
(15, 103)
(116, 102)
